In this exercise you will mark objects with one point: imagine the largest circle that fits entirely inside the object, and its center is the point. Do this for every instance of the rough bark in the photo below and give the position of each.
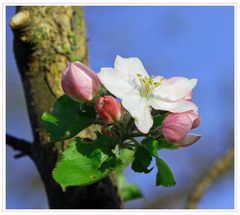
(45, 39)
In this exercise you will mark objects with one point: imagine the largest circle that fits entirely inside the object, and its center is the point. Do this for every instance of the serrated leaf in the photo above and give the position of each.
(104, 143)
(142, 159)
(128, 191)
(85, 148)
(75, 169)
(165, 176)
(111, 163)
(66, 119)
(151, 145)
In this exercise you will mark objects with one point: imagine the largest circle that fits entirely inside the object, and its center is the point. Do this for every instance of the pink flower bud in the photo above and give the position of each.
(176, 126)
(196, 122)
(79, 82)
(109, 109)
(188, 140)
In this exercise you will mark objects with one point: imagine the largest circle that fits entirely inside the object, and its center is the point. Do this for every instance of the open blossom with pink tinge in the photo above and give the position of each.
(109, 109)
(176, 126)
(139, 92)
(79, 82)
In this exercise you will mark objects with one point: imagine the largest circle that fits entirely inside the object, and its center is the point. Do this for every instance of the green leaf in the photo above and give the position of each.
(163, 144)
(128, 191)
(151, 145)
(126, 156)
(142, 159)
(157, 121)
(154, 145)
(165, 176)
(111, 163)
(66, 119)
(104, 143)
(76, 169)
(84, 147)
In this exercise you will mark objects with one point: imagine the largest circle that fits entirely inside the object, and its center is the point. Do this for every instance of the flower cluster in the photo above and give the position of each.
(141, 96)
(119, 116)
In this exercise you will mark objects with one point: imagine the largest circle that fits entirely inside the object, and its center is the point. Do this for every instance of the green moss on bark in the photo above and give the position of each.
(45, 39)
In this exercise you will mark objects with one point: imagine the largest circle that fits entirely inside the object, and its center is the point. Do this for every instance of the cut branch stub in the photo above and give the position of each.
(20, 20)
(45, 39)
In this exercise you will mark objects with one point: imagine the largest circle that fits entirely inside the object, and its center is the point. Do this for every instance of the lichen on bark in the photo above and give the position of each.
(45, 39)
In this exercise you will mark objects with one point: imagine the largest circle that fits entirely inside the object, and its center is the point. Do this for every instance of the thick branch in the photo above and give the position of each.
(45, 39)
(21, 145)
(220, 167)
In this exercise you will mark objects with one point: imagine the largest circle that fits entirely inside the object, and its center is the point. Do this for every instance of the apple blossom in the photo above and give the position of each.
(79, 82)
(129, 81)
(109, 109)
(176, 126)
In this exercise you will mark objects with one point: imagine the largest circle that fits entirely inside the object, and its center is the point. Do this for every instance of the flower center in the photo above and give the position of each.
(148, 84)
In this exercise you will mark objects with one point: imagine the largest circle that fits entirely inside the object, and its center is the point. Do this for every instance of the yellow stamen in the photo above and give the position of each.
(148, 84)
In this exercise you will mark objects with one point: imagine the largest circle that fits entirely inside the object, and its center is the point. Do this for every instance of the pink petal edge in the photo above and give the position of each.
(188, 140)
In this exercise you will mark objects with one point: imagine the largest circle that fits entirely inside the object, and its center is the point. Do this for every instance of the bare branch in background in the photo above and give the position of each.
(218, 169)
(21, 145)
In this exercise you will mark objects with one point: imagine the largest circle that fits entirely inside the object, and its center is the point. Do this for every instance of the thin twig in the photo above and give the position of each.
(220, 167)
(23, 146)
(132, 135)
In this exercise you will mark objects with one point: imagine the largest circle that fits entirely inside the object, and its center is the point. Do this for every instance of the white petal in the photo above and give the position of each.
(175, 107)
(158, 78)
(175, 88)
(131, 66)
(115, 82)
(139, 109)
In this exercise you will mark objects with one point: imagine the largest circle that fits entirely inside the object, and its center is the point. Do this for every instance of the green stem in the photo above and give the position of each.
(137, 134)
(129, 124)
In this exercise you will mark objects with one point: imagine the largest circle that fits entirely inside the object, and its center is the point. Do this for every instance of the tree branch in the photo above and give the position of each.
(220, 167)
(45, 39)
(21, 145)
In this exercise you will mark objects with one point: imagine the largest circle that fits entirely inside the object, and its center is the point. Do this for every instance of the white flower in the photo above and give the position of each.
(129, 81)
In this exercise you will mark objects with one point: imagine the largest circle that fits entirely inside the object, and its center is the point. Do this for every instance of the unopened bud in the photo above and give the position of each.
(109, 109)
(79, 82)
(176, 126)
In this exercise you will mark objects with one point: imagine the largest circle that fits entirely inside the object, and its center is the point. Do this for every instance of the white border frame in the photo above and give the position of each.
(6, 3)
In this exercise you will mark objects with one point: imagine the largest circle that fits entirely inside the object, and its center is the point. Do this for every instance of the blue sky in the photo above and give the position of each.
(191, 41)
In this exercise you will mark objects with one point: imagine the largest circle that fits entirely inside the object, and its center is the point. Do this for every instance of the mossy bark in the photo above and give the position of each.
(45, 39)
